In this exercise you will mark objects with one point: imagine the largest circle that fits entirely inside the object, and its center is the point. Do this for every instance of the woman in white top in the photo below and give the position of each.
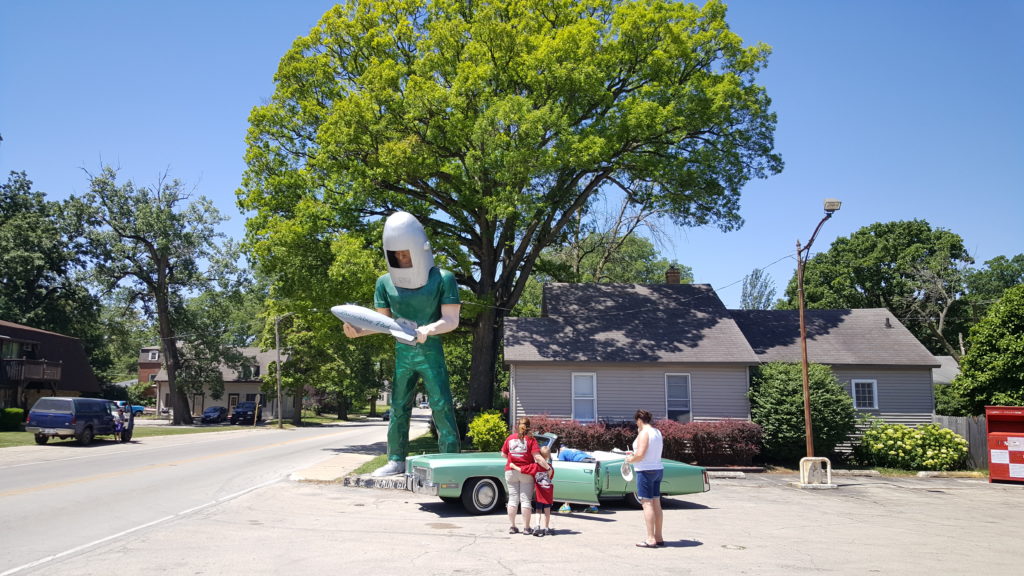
(646, 461)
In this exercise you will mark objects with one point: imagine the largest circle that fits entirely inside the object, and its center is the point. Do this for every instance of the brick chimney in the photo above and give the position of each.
(672, 275)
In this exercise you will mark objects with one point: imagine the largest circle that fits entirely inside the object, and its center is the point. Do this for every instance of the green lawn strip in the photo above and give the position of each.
(425, 444)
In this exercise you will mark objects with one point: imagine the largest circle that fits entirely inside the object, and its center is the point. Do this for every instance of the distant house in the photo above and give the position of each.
(948, 369)
(239, 385)
(601, 351)
(39, 363)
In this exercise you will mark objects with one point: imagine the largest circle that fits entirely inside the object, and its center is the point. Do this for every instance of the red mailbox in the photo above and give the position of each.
(1005, 443)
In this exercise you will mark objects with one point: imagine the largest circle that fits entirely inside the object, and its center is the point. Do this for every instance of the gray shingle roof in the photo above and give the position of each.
(866, 336)
(628, 323)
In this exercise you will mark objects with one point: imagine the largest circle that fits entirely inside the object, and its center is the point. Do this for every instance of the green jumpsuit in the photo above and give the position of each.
(422, 306)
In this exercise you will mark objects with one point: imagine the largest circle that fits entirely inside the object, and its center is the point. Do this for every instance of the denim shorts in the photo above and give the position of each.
(648, 484)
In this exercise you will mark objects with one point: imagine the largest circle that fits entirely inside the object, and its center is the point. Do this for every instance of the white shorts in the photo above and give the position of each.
(520, 489)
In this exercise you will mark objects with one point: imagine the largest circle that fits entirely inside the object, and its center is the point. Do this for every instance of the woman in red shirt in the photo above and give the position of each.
(520, 448)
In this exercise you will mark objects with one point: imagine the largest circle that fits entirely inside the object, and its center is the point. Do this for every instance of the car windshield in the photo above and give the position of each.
(212, 410)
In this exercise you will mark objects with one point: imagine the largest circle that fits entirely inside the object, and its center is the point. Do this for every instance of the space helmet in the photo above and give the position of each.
(403, 232)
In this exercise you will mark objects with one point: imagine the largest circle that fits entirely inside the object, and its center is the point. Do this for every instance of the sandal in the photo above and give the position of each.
(659, 543)
(646, 545)
(513, 530)
(528, 531)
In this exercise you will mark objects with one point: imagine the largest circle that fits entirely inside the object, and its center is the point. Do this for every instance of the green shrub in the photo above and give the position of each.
(488, 431)
(777, 405)
(11, 419)
(927, 447)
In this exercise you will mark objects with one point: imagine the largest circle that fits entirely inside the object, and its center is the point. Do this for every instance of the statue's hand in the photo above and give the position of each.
(421, 334)
(350, 330)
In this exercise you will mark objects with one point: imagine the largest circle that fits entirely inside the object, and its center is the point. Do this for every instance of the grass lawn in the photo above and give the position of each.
(425, 444)
(8, 439)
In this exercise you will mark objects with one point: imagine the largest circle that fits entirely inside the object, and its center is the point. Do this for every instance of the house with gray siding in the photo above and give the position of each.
(886, 370)
(601, 351)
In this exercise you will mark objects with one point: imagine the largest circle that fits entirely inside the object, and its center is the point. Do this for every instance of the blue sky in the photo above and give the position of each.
(901, 109)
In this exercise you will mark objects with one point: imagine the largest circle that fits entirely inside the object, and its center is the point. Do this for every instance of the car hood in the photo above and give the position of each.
(455, 459)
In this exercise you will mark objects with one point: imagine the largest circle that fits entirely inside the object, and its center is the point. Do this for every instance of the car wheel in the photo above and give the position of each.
(126, 436)
(42, 438)
(482, 495)
(632, 501)
(234, 421)
(86, 438)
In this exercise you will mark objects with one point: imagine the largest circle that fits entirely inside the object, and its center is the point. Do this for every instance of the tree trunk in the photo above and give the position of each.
(485, 359)
(296, 406)
(342, 407)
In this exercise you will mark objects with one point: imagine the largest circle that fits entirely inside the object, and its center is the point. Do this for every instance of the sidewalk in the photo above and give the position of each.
(332, 469)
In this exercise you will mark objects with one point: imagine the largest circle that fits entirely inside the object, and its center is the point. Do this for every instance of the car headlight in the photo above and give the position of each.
(423, 474)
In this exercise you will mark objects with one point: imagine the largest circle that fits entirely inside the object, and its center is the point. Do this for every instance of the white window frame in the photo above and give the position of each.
(874, 393)
(573, 396)
(154, 354)
(689, 391)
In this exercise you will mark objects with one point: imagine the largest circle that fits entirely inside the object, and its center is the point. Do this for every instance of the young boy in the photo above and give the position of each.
(544, 489)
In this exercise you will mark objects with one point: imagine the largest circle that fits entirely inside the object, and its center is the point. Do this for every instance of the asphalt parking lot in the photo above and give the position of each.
(756, 525)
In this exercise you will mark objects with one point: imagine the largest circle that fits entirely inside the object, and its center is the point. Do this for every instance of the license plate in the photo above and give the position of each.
(49, 431)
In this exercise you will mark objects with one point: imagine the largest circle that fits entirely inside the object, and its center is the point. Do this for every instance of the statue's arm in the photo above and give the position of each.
(449, 321)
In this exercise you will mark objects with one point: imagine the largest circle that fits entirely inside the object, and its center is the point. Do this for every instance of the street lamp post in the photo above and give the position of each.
(277, 349)
(802, 253)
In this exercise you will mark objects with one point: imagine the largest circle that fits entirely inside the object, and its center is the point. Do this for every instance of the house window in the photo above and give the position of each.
(250, 397)
(152, 377)
(584, 397)
(865, 394)
(154, 355)
(256, 371)
(677, 397)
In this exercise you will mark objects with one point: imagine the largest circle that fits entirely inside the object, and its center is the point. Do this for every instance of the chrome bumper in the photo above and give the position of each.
(50, 431)
(420, 487)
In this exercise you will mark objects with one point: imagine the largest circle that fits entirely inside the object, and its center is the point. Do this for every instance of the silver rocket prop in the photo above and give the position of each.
(366, 319)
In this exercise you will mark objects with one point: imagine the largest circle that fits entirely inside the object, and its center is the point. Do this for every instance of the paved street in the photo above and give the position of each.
(61, 499)
(756, 525)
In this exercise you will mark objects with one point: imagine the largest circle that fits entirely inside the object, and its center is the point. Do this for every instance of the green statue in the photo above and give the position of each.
(416, 294)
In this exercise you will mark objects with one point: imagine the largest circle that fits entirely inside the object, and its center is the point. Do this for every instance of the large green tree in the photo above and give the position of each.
(992, 371)
(151, 244)
(496, 123)
(41, 269)
(914, 270)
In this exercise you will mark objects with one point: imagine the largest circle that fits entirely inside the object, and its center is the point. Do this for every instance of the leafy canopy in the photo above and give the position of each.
(992, 371)
(912, 269)
(495, 124)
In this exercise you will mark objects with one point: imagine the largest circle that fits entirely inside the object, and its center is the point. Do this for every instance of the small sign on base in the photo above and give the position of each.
(816, 473)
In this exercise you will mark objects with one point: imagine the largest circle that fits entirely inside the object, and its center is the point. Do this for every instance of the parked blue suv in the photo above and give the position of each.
(79, 418)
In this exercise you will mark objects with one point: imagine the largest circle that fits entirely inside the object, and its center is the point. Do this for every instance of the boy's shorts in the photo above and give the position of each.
(540, 506)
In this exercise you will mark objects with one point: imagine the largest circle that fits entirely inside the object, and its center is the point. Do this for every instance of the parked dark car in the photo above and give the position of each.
(80, 418)
(214, 414)
(245, 412)
(386, 415)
